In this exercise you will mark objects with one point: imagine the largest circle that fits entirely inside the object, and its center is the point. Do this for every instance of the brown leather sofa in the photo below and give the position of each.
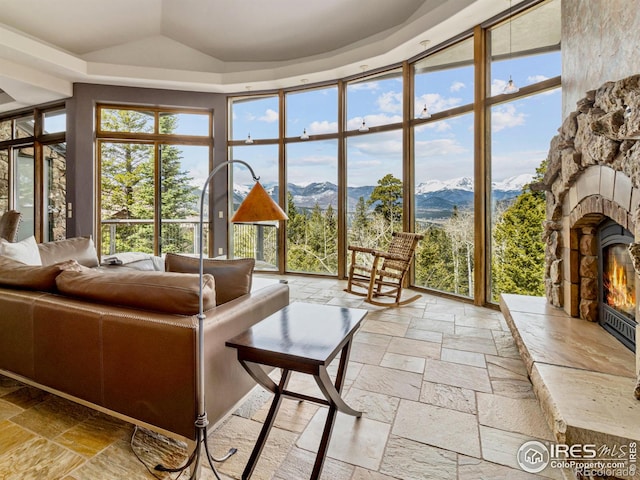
(132, 362)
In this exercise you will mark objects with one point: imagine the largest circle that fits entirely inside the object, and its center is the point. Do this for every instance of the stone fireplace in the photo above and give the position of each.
(592, 186)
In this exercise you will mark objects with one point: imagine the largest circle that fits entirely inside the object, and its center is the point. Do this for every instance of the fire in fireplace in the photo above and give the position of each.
(618, 297)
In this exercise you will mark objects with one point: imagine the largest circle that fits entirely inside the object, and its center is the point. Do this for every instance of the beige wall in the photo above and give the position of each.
(600, 43)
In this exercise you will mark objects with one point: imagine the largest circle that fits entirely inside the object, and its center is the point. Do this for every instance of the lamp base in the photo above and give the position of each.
(195, 457)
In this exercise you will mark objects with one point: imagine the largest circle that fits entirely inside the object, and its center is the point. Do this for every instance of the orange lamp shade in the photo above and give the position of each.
(258, 206)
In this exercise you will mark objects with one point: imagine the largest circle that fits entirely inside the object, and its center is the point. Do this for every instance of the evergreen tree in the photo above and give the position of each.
(387, 199)
(518, 255)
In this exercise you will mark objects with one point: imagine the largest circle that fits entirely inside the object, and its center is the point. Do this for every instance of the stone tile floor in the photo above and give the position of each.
(444, 393)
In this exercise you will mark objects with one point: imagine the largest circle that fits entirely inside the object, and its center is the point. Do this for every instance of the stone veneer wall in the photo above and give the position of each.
(593, 172)
(600, 41)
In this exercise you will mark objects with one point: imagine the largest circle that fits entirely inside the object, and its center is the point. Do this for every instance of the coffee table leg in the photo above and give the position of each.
(268, 423)
(332, 394)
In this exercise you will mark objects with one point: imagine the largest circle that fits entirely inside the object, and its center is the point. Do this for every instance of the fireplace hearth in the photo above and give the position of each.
(617, 294)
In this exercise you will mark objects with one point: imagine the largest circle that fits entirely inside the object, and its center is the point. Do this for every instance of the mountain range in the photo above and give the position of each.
(434, 198)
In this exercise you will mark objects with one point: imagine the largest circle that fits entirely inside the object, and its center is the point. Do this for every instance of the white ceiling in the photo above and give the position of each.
(213, 45)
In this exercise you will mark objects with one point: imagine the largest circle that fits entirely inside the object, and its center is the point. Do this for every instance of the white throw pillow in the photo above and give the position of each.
(25, 251)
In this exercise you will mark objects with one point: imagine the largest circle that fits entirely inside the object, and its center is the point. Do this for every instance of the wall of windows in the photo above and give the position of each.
(401, 149)
(33, 171)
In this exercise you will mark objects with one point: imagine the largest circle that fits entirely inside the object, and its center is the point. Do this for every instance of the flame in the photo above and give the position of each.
(619, 293)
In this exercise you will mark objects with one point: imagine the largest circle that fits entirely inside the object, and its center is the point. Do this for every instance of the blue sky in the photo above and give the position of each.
(521, 129)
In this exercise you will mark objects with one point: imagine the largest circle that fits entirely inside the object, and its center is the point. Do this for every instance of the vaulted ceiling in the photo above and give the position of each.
(213, 45)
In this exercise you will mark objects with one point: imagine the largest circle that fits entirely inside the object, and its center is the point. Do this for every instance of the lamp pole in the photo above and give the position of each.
(202, 421)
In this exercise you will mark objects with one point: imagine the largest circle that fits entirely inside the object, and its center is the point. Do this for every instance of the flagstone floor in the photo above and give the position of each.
(444, 393)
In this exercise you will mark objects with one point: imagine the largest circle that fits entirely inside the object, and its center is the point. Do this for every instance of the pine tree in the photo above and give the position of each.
(518, 253)
(387, 199)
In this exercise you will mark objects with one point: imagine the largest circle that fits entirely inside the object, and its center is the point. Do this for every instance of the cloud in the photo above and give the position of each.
(269, 116)
(536, 78)
(320, 127)
(506, 116)
(436, 102)
(456, 86)
(310, 160)
(373, 120)
(364, 86)
(440, 127)
(497, 86)
(390, 102)
(380, 148)
(438, 147)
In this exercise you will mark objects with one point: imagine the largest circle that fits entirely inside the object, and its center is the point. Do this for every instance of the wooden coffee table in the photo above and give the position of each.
(305, 338)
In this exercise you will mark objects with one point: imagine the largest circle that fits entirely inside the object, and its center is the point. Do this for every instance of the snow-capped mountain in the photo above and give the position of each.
(434, 198)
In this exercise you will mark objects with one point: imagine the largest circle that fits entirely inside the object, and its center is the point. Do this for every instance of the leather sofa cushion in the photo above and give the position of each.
(157, 291)
(16, 274)
(80, 249)
(233, 277)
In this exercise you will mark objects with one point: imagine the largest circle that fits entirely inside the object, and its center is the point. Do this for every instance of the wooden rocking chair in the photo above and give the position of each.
(386, 275)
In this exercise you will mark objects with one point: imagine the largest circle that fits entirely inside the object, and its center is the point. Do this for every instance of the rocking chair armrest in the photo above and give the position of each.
(389, 256)
(355, 248)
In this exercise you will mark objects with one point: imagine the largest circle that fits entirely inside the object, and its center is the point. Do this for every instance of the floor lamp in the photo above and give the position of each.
(258, 206)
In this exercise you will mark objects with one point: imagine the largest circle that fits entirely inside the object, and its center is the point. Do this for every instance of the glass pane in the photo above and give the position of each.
(24, 127)
(375, 101)
(5, 130)
(254, 117)
(55, 121)
(55, 187)
(25, 190)
(444, 205)
(134, 121)
(520, 133)
(374, 189)
(313, 111)
(255, 241)
(4, 180)
(127, 197)
(184, 170)
(312, 229)
(444, 80)
(527, 48)
(185, 124)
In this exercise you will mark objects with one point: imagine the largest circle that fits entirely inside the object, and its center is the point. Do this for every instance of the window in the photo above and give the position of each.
(444, 170)
(153, 163)
(257, 240)
(444, 204)
(254, 118)
(444, 80)
(312, 203)
(312, 181)
(31, 163)
(521, 126)
(374, 101)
